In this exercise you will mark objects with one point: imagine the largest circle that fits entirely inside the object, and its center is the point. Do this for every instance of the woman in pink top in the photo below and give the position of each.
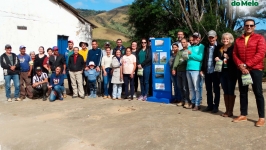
(129, 67)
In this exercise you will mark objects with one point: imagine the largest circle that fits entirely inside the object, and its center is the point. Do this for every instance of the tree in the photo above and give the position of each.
(161, 18)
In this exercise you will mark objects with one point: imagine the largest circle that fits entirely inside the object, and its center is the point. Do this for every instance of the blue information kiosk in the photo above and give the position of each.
(161, 73)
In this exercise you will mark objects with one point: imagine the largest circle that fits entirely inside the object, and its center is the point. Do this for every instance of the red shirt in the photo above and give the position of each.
(75, 58)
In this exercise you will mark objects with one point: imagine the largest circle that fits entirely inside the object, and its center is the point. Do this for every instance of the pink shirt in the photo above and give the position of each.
(128, 63)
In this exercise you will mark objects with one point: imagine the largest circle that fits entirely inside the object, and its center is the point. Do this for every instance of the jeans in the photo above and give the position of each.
(202, 79)
(193, 79)
(107, 85)
(144, 80)
(136, 81)
(57, 92)
(15, 79)
(92, 86)
(177, 94)
(183, 85)
(212, 83)
(256, 76)
(117, 90)
(127, 80)
(228, 83)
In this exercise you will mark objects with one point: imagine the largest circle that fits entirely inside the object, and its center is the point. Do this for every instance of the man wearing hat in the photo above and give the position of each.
(195, 56)
(25, 73)
(68, 53)
(84, 50)
(106, 45)
(11, 68)
(212, 80)
(39, 84)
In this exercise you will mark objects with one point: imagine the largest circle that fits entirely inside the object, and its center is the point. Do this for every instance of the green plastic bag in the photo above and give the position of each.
(218, 66)
(140, 72)
(246, 79)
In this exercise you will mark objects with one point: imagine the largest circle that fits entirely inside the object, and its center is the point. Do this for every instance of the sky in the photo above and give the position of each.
(98, 4)
(111, 4)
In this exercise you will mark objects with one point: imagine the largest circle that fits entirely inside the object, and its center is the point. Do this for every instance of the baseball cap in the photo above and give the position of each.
(70, 41)
(55, 48)
(91, 63)
(22, 46)
(38, 68)
(212, 33)
(196, 34)
(7, 46)
(107, 43)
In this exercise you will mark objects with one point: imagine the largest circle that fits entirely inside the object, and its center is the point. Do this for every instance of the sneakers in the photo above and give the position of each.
(187, 106)
(17, 99)
(144, 98)
(179, 103)
(9, 100)
(94, 95)
(109, 96)
(135, 95)
(140, 98)
(104, 97)
(64, 95)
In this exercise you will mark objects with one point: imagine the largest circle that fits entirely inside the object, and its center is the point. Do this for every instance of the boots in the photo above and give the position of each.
(226, 103)
(231, 105)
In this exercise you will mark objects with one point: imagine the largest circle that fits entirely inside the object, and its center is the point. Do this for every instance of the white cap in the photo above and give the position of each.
(91, 63)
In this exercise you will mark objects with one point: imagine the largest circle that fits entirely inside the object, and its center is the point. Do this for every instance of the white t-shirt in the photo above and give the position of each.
(107, 61)
(128, 63)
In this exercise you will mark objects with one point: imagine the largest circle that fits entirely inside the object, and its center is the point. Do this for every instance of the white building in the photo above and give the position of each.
(35, 23)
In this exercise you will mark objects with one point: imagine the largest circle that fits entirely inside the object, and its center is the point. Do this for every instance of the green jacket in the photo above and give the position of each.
(180, 64)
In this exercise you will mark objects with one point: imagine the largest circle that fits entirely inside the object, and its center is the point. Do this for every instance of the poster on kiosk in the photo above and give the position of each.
(161, 73)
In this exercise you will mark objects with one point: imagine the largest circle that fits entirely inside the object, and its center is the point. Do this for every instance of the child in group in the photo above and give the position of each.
(91, 75)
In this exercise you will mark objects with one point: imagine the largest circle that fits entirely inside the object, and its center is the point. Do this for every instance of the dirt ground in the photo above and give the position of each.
(104, 124)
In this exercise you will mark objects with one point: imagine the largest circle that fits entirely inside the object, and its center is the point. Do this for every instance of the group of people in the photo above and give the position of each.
(113, 71)
(218, 63)
(108, 72)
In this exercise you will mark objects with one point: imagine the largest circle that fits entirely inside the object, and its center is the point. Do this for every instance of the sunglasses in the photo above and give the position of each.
(248, 25)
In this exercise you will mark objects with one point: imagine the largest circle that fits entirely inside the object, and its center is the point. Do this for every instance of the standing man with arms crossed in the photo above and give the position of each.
(212, 81)
(11, 67)
(248, 55)
(25, 74)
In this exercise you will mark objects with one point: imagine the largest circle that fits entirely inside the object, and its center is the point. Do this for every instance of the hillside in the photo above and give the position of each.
(111, 24)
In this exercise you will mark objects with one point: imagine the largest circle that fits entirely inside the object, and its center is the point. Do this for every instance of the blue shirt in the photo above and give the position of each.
(91, 74)
(94, 55)
(56, 80)
(24, 62)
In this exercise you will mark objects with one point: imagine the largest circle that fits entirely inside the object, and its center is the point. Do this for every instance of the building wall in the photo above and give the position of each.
(44, 19)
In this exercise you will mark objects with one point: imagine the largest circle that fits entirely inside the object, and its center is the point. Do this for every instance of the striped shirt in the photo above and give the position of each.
(40, 78)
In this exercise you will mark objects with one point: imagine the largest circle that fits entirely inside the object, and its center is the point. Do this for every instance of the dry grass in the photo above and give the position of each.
(110, 24)
(108, 34)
